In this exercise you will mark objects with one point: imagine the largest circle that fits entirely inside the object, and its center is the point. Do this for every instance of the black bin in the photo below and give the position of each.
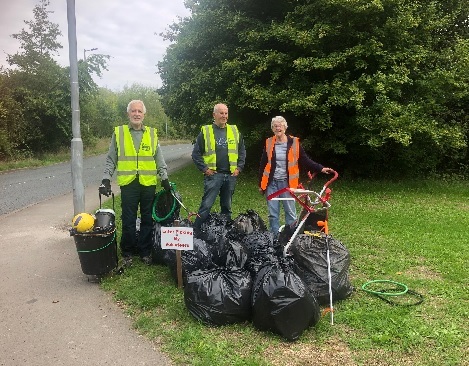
(97, 252)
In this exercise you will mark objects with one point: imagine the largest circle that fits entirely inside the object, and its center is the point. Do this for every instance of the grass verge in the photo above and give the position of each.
(413, 232)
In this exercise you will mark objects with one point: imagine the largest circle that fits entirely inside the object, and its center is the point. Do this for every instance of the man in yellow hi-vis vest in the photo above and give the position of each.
(220, 154)
(136, 155)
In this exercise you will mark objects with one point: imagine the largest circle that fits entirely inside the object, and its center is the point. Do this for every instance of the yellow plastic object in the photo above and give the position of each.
(83, 222)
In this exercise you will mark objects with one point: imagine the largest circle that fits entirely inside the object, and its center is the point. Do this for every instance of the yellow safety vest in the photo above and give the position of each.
(131, 163)
(210, 156)
(293, 168)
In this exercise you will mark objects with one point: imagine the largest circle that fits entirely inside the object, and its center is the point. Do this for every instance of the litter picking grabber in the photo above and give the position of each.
(325, 228)
(184, 207)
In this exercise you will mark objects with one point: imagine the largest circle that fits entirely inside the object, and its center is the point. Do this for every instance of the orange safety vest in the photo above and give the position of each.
(293, 168)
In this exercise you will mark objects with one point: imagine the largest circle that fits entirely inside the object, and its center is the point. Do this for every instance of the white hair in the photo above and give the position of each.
(136, 101)
(279, 119)
(217, 107)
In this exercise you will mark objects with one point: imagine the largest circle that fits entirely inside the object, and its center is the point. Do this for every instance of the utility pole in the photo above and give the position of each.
(77, 143)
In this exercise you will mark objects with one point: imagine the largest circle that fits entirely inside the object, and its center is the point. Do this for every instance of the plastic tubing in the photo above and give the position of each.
(399, 285)
(159, 219)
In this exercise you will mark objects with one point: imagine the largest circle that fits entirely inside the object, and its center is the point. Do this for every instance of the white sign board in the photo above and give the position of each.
(179, 238)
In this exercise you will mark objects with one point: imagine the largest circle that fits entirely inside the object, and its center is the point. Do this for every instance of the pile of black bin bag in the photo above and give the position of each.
(237, 272)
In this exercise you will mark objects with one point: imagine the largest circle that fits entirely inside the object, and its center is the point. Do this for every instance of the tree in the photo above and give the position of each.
(40, 85)
(97, 105)
(12, 123)
(40, 88)
(37, 44)
(370, 86)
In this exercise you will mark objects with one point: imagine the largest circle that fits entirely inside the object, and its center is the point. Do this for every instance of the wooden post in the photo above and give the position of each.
(178, 260)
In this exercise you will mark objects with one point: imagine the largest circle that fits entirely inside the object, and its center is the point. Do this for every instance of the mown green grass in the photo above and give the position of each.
(412, 232)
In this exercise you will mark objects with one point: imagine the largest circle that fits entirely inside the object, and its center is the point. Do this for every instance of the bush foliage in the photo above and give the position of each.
(369, 87)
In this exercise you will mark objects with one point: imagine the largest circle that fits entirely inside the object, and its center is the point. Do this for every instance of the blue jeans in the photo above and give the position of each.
(274, 206)
(215, 185)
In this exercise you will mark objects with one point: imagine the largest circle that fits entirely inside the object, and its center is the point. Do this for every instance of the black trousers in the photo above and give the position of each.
(133, 196)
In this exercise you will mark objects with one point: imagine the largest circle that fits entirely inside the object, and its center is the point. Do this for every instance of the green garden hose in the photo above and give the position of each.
(155, 202)
(387, 294)
(398, 292)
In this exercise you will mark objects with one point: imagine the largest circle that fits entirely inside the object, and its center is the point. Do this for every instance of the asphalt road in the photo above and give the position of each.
(50, 312)
(24, 187)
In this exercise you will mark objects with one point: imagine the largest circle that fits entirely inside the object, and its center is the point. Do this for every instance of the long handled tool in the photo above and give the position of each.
(325, 228)
(184, 207)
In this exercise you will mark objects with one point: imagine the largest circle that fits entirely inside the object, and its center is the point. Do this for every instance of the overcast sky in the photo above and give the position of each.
(126, 30)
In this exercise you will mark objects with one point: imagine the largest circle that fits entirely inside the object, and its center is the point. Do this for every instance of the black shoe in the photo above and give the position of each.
(127, 261)
(147, 260)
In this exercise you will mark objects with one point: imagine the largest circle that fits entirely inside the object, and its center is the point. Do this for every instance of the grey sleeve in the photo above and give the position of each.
(161, 167)
(197, 152)
(111, 159)
(241, 154)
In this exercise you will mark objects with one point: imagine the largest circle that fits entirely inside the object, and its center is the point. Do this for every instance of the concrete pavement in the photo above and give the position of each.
(51, 314)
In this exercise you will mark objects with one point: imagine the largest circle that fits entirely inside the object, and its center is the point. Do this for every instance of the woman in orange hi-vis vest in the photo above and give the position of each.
(279, 168)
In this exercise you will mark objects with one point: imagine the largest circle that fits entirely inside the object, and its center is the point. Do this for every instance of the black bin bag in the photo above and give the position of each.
(260, 250)
(157, 254)
(219, 296)
(248, 222)
(310, 257)
(281, 302)
(191, 260)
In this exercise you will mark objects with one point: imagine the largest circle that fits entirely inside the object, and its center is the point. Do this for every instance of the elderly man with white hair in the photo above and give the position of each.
(136, 155)
(219, 153)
